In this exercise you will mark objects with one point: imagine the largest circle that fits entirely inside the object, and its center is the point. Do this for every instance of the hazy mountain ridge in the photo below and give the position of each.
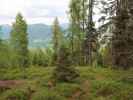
(39, 34)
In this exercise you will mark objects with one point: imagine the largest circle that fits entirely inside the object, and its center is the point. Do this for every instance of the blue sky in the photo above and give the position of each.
(34, 11)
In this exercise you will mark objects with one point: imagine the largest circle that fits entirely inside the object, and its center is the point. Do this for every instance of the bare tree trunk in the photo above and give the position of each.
(89, 36)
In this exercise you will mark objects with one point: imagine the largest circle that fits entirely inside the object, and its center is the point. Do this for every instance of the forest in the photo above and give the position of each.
(90, 60)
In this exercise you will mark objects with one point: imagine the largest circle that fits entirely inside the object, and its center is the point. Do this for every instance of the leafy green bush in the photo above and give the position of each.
(15, 94)
(111, 90)
(105, 88)
(12, 73)
(40, 57)
(47, 95)
(124, 95)
(5, 54)
(66, 89)
(64, 72)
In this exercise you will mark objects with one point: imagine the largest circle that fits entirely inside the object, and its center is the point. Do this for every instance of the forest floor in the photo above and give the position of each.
(34, 83)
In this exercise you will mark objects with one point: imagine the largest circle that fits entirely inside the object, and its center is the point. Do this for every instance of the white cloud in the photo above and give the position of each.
(35, 11)
(10, 7)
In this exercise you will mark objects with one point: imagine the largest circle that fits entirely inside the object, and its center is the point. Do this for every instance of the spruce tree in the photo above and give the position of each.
(122, 43)
(64, 72)
(19, 41)
(57, 39)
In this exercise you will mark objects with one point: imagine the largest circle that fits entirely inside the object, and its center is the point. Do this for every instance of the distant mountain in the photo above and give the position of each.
(65, 26)
(39, 34)
(6, 30)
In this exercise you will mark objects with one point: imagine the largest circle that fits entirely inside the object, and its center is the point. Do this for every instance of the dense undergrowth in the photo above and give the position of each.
(35, 83)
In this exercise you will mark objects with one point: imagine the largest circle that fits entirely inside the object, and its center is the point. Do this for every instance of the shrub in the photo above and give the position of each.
(5, 54)
(47, 95)
(106, 88)
(40, 57)
(124, 95)
(64, 71)
(66, 89)
(15, 94)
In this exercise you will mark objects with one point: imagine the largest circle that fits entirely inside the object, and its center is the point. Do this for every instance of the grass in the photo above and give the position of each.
(93, 84)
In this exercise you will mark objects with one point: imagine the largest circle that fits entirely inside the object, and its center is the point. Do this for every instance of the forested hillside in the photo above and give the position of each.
(91, 58)
(39, 34)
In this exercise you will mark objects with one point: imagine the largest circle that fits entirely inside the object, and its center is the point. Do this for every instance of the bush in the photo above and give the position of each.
(5, 54)
(15, 94)
(66, 89)
(41, 57)
(64, 71)
(47, 95)
(106, 88)
(111, 90)
(11, 73)
(124, 95)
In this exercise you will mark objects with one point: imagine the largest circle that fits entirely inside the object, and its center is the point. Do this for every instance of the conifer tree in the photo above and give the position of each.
(64, 72)
(122, 42)
(57, 38)
(19, 41)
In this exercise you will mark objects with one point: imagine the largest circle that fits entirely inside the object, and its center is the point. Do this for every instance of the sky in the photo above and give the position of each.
(34, 11)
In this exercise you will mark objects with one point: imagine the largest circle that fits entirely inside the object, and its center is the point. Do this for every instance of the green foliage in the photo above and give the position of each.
(16, 73)
(76, 35)
(19, 41)
(106, 56)
(15, 94)
(41, 57)
(111, 90)
(67, 89)
(11, 73)
(56, 39)
(4, 52)
(47, 95)
(38, 58)
(106, 88)
(5, 56)
(64, 71)
(94, 84)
